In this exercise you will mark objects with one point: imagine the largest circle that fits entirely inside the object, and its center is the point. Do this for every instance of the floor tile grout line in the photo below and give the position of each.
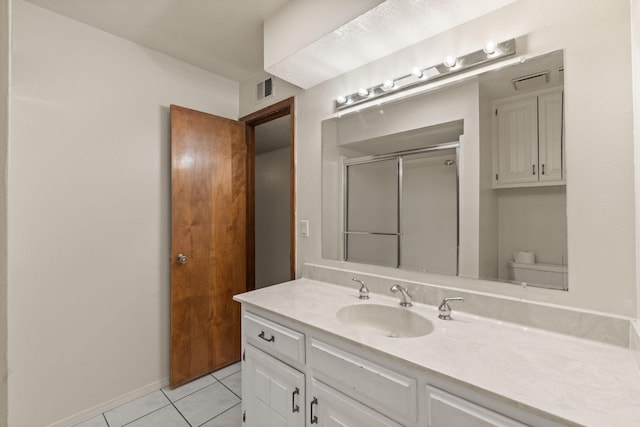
(226, 410)
(176, 408)
(220, 379)
(233, 392)
(215, 380)
(148, 413)
(172, 403)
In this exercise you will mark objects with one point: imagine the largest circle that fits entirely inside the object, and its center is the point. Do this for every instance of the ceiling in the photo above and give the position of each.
(226, 36)
(222, 36)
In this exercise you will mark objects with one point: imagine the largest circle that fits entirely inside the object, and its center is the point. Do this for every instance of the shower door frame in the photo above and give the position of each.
(398, 155)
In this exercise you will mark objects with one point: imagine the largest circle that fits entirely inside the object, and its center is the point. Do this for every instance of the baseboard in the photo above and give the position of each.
(110, 404)
(634, 342)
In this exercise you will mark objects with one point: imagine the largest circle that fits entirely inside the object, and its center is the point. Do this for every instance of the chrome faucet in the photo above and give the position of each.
(364, 291)
(405, 296)
(445, 310)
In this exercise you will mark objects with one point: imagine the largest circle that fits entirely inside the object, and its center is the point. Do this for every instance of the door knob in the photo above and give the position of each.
(181, 259)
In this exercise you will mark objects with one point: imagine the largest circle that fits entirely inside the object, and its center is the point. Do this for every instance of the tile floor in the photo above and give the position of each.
(210, 401)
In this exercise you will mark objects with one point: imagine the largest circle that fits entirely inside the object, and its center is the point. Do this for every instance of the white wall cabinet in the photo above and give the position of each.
(528, 147)
(299, 376)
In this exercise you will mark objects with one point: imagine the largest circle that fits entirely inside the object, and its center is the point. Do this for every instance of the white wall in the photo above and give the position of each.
(532, 219)
(635, 54)
(600, 205)
(89, 188)
(4, 134)
(281, 91)
(272, 210)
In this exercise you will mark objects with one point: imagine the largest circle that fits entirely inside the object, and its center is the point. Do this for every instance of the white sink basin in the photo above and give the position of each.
(395, 322)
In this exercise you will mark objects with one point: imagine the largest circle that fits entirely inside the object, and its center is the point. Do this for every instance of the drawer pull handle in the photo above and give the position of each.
(263, 336)
(294, 407)
(314, 419)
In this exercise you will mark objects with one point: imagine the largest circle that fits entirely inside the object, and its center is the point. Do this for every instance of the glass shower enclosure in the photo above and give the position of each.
(401, 209)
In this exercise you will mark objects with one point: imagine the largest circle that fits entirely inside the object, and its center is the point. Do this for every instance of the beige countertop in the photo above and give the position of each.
(582, 381)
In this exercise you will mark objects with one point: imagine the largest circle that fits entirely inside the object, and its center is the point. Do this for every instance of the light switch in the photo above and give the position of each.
(304, 227)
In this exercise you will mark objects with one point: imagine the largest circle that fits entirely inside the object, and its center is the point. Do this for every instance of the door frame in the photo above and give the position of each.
(272, 112)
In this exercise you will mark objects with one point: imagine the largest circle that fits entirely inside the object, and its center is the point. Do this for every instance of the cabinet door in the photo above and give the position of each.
(448, 410)
(330, 408)
(273, 393)
(517, 141)
(551, 136)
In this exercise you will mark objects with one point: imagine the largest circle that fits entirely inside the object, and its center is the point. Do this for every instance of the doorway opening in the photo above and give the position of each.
(270, 195)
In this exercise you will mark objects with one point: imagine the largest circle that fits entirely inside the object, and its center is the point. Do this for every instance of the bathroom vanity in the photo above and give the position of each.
(316, 354)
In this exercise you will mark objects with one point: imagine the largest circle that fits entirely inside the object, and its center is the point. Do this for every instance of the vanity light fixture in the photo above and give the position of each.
(450, 61)
(491, 52)
(489, 48)
(388, 85)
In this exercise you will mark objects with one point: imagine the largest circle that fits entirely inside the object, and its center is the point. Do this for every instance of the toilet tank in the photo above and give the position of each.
(552, 276)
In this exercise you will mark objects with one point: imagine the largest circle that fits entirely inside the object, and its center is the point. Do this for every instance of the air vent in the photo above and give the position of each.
(264, 89)
(532, 81)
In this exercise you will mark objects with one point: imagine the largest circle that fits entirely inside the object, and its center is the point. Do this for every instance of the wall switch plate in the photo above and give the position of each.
(304, 227)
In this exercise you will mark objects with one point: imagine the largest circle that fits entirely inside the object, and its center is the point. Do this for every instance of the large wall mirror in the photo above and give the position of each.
(467, 180)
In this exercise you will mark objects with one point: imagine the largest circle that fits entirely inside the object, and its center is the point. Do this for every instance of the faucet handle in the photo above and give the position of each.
(445, 310)
(364, 291)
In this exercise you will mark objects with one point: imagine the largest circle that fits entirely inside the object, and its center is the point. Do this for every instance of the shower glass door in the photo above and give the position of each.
(402, 210)
(372, 227)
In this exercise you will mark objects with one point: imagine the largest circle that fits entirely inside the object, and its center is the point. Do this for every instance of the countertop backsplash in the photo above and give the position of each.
(594, 326)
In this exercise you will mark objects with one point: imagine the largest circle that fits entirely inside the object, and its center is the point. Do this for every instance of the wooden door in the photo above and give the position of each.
(208, 227)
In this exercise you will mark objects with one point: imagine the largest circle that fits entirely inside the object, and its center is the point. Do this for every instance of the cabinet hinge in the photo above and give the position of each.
(496, 111)
(244, 416)
(243, 356)
(496, 177)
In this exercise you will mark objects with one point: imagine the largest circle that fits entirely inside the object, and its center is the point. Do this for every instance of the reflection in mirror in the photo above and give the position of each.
(396, 192)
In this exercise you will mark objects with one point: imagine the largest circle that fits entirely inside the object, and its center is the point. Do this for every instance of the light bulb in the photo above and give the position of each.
(388, 85)
(363, 92)
(341, 99)
(349, 101)
(416, 72)
(489, 48)
(450, 61)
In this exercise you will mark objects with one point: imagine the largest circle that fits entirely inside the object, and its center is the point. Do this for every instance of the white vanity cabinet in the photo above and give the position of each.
(296, 375)
(445, 409)
(528, 140)
(330, 408)
(281, 386)
(273, 392)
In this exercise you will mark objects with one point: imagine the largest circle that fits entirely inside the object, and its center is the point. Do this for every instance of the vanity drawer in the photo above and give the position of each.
(380, 388)
(446, 409)
(274, 338)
